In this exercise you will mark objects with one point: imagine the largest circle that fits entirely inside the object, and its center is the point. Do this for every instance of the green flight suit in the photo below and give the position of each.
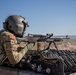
(11, 49)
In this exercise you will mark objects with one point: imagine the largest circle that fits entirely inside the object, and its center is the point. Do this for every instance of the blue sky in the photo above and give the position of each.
(43, 16)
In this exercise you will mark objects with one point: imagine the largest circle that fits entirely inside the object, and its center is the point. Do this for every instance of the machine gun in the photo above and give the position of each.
(33, 38)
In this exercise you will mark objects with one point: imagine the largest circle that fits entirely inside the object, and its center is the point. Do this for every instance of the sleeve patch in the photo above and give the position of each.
(12, 37)
(12, 41)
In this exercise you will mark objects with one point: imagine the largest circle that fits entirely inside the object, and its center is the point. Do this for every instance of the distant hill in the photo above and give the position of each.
(74, 36)
(64, 36)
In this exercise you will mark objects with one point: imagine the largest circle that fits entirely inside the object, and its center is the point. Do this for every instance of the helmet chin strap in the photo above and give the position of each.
(14, 33)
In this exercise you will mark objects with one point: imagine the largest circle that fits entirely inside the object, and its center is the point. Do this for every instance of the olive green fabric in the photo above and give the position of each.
(13, 51)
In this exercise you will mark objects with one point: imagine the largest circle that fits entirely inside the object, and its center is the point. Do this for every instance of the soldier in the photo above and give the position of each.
(14, 26)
